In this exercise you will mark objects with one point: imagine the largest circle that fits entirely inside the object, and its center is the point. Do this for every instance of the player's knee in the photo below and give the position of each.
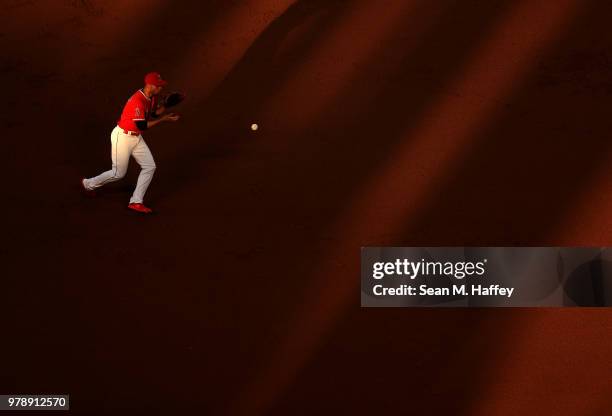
(149, 167)
(120, 173)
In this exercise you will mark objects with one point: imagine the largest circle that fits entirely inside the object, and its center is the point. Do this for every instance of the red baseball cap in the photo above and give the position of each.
(154, 78)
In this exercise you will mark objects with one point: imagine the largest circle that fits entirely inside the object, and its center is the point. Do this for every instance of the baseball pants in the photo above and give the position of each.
(124, 146)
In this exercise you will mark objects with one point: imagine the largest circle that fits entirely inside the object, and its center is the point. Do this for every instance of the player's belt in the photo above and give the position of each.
(131, 133)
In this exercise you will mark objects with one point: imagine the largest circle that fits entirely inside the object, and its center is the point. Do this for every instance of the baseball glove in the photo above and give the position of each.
(172, 99)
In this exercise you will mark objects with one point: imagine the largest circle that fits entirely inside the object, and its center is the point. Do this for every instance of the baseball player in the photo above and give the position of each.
(141, 112)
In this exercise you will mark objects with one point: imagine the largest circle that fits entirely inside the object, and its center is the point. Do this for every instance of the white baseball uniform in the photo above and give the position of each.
(126, 141)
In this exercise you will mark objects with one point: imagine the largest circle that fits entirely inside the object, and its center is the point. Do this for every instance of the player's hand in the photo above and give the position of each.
(160, 110)
(171, 117)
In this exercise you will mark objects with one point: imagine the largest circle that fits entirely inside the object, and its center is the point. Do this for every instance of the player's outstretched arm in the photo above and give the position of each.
(151, 123)
(165, 117)
(161, 109)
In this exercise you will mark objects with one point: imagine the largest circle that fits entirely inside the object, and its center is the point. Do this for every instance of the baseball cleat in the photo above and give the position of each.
(87, 192)
(140, 208)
